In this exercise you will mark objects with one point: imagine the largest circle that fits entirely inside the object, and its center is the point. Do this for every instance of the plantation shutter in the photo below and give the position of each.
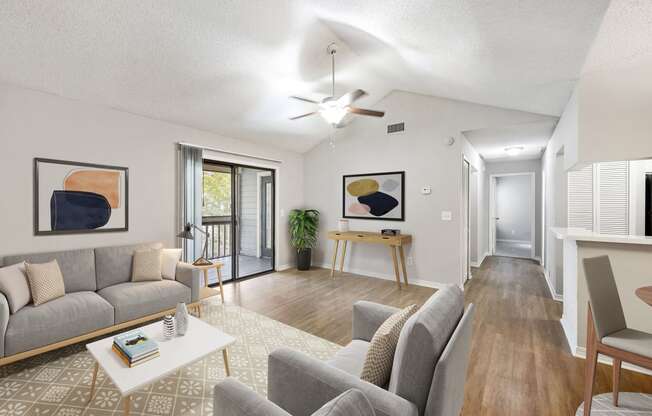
(613, 194)
(580, 198)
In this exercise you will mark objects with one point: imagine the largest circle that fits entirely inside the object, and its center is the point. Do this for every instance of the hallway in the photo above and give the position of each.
(520, 360)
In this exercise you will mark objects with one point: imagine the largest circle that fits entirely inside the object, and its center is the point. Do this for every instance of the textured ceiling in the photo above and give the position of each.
(624, 38)
(491, 142)
(228, 66)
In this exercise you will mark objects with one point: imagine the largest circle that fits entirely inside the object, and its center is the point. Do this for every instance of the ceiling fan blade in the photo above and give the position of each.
(364, 112)
(350, 97)
(303, 115)
(308, 100)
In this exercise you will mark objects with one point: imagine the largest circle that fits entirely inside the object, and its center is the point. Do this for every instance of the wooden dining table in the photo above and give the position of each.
(645, 294)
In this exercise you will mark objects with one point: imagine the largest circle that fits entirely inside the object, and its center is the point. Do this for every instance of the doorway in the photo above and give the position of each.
(512, 214)
(238, 218)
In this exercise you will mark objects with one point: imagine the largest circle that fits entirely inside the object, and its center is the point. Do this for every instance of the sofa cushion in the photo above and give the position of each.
(133, 300)
(351, 358)
(113, 265)
(77, 267)
(62, 318)
(421, 342)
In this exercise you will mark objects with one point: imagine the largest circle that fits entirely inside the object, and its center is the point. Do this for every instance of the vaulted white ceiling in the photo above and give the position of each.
(228, 66)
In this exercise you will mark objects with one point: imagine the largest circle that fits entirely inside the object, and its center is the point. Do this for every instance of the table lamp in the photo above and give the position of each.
(188, 235)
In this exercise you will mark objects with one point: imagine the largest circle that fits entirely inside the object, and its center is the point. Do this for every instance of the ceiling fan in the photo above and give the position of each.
(332, 109)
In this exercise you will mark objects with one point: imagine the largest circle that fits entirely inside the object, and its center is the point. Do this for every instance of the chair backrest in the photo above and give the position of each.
(446, 396)
(606, 307)
(421, 343)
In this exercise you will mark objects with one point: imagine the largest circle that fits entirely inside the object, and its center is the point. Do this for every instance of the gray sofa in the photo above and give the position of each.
(428, 373)
(100, 297)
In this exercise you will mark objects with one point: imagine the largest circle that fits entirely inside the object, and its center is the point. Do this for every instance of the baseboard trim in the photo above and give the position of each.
(580, 352)
(514, 241)
(368, 273)
(556, 296)
(479, 263)
(286, 266)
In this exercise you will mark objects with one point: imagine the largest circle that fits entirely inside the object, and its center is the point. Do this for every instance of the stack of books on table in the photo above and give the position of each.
(135, 347)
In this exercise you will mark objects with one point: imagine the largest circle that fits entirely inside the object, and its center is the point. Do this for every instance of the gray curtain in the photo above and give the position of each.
(190, 198)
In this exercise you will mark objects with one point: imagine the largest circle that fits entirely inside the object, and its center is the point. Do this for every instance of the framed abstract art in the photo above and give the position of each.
(374, 196)
(76, 197)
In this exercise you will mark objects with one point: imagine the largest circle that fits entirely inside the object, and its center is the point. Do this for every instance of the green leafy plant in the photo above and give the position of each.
(304, 226)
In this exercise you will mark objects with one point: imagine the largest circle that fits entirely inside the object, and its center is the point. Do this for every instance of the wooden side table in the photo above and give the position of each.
(205, 291)
(394, 242)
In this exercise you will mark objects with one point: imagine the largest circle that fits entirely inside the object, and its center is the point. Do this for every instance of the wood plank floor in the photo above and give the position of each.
(520, 362)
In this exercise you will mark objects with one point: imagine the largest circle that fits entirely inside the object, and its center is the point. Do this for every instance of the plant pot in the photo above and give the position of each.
(303, 258)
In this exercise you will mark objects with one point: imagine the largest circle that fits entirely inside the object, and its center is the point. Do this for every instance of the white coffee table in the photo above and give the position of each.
(200, 340)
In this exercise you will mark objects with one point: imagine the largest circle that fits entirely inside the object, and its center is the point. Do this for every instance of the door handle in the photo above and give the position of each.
(496, 218)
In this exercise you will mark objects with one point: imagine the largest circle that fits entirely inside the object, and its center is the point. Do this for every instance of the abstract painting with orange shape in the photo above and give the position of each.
(75, 197)
(102, 182)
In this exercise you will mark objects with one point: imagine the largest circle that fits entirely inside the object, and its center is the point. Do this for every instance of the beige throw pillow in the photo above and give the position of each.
(14, 285)
(146, 265)
(377, 366)
(170, 257)
(45, 281)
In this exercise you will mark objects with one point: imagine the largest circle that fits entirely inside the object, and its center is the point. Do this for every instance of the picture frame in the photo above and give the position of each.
(79, 198)
(374, 196)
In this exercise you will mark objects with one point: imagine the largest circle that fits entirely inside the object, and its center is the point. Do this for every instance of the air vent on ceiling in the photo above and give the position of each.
(395, 128)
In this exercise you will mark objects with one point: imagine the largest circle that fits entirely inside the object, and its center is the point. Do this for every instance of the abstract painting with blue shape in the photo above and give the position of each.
(374, 196)
(79, 197)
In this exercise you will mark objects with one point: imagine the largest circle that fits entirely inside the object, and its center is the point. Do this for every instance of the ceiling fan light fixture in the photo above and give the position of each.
(513, 150)
(332, 113)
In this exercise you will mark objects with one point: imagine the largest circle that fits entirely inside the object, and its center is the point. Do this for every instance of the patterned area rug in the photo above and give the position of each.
(58, 383)
(629, 404)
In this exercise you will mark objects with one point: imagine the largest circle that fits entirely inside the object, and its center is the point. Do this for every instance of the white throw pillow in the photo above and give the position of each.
(146, 266)
(45, 281)
(169, 259)
(14, 285)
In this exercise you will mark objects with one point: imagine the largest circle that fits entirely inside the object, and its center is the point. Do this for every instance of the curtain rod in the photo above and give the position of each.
(213, 149)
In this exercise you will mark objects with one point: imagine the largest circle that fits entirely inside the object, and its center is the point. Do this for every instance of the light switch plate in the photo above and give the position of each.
(446, 216)
(426, 190)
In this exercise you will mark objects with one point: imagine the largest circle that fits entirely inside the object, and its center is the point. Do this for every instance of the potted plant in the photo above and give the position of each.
(304, 226)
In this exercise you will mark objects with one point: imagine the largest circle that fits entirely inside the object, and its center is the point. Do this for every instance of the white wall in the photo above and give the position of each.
(517, 166)
(421, 151)
(512, 195)
(34, 124)
(560, 154)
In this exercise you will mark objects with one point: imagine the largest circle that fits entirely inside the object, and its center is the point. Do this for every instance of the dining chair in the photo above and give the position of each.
(606, 330)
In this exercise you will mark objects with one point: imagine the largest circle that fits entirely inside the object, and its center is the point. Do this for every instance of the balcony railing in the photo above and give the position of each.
(219, 227)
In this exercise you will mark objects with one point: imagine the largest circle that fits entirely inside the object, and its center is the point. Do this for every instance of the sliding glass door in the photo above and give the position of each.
(238, 217)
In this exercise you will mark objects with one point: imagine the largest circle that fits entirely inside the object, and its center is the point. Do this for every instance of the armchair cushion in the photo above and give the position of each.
(351, 358)
(301, 384)
(350, 403)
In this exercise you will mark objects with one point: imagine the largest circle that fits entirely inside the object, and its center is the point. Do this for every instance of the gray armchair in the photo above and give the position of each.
(428, 372)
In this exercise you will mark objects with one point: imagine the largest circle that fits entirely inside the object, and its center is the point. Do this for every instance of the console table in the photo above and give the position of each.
(394, 242)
